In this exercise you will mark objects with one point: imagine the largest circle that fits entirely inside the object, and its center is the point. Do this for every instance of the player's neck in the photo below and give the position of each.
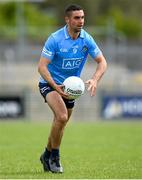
(73, 35)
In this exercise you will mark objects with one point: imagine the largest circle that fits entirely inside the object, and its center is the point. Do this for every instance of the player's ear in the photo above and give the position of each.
(66, 19)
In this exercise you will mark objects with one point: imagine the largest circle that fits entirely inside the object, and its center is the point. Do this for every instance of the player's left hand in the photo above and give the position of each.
(92, 86)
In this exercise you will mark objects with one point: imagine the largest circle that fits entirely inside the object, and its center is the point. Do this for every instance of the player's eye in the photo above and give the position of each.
(78, 17)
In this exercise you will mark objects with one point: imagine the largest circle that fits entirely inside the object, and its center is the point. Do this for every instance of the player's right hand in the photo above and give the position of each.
(60, 90)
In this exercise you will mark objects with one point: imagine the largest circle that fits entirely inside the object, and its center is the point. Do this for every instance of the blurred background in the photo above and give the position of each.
(116, 27)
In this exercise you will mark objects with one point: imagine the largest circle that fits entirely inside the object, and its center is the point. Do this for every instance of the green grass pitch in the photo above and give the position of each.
(90, 150)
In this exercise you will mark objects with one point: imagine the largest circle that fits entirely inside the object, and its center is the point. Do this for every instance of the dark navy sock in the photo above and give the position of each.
(47, 153)
(55, 153)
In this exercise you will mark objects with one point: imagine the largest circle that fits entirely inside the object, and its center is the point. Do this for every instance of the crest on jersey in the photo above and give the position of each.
(84, 49)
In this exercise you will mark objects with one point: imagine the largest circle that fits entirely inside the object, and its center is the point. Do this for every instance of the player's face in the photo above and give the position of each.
(76, 21)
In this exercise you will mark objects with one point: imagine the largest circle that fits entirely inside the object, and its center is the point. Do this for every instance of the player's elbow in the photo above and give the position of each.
(40, 67)
(105, 65)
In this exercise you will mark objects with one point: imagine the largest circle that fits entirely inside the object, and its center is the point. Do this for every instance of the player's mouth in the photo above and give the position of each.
(79, 27)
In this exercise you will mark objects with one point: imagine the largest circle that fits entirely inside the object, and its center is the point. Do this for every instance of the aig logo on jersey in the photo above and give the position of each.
(71, 63)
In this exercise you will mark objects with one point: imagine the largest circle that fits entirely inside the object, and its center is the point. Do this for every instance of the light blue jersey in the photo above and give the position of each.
(68, 56)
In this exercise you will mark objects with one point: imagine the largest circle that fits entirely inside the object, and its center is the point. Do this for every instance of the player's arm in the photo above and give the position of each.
(101, 68)
(43, 70)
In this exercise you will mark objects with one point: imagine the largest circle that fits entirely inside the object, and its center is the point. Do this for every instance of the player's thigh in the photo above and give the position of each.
(57, 104)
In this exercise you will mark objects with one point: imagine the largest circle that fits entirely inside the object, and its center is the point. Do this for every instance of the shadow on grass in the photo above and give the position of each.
(22, 173)
(28, 174)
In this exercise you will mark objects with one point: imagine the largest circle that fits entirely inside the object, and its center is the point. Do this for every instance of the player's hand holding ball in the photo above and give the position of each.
(60, 90)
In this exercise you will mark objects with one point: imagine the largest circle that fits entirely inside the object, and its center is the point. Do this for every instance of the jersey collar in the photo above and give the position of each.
(67, 36)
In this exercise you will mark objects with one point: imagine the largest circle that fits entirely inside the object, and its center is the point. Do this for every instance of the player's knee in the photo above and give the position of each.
(62, 118)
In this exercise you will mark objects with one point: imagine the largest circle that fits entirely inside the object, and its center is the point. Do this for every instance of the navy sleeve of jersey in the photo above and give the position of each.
(48, 50)
(93, 50)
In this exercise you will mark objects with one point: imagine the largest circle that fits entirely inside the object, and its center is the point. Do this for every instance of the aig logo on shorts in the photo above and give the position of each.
(71, 63)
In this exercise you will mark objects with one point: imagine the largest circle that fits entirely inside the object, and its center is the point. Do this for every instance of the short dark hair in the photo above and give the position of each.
(72, 7)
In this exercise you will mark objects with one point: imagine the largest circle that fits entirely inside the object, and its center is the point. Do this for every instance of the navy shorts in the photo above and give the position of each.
(45, 88)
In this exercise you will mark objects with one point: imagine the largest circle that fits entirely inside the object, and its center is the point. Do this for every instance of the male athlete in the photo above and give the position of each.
(64, 54)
